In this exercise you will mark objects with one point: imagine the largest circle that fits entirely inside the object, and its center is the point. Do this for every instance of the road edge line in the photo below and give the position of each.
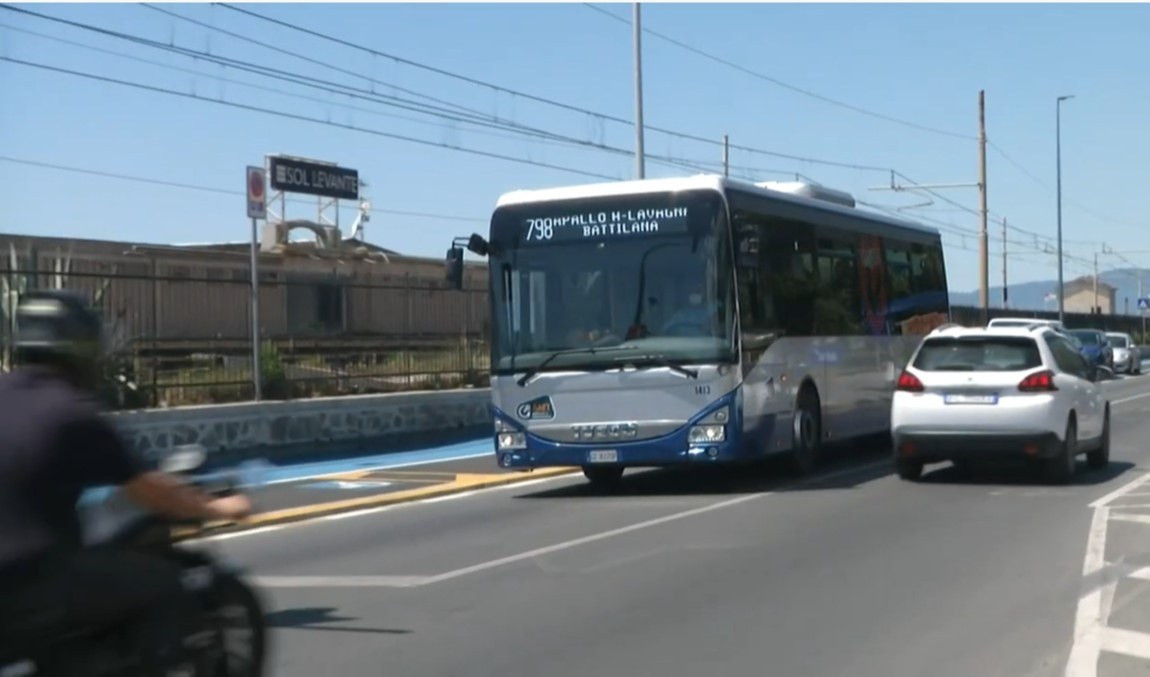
(463, 482)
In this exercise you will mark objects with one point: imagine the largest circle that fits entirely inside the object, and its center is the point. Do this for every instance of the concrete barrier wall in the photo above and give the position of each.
(238, 428)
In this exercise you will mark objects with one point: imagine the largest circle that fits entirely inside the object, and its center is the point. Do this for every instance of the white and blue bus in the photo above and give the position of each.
(697, 320)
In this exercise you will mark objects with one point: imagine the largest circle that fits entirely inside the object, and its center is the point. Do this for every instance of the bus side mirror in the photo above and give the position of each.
(454, 267)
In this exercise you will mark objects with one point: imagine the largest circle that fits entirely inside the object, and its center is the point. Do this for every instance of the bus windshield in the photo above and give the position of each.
(647, 279)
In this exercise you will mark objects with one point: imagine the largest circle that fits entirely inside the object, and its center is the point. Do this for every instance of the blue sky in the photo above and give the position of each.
(920, 63)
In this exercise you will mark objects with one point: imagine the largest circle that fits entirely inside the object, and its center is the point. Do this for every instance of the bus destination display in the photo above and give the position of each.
(605, 225)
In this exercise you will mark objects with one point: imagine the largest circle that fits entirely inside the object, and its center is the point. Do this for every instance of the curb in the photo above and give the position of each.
(463, 482)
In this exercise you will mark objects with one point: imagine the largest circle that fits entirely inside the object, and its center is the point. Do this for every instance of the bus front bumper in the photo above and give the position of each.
(671, 450)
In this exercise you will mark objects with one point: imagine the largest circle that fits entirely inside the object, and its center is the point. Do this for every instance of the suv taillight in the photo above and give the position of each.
(1042, 381)
(909, 382)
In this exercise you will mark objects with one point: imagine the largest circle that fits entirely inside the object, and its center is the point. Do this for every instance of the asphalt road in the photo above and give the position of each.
(850, 573)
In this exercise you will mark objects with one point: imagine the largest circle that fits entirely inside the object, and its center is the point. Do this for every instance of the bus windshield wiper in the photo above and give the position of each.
(662, 362)
(532, 371)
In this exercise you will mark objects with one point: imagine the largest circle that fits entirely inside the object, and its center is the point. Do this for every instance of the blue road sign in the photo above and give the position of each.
(1144, 303)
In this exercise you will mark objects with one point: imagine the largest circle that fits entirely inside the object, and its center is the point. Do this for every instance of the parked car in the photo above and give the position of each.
(1127, 355)
(980, 394)
(1095, 347)
(1001, 322)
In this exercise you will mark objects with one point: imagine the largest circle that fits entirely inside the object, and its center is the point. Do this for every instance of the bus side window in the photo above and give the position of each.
(926, 267)
(898, 269)
(837, 296)
(754, 308)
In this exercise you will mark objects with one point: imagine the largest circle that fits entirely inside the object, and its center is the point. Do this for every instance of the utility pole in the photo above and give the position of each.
(1058, 162)
(1096, 308)
(983, 243)
(640, 169)
(1005, 296)
(726, 156)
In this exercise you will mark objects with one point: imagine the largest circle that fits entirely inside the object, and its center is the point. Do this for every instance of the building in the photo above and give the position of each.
(320, 290)
(1084, 296)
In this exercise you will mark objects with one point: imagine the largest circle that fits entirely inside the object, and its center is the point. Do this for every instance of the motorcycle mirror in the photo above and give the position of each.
(185, 458)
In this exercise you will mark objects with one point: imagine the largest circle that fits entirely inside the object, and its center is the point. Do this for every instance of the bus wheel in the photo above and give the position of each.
(603, 476)
(808, 432)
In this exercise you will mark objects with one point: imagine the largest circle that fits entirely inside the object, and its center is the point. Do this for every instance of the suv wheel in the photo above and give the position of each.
(1060, 469)
(1100, 457)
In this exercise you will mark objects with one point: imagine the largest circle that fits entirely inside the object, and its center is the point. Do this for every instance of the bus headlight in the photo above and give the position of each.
(705, 434)
(511, 441)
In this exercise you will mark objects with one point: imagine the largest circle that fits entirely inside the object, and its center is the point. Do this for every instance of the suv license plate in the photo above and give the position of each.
(971, 399)
(604, 456)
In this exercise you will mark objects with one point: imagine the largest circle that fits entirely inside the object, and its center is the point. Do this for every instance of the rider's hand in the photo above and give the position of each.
(234, 507)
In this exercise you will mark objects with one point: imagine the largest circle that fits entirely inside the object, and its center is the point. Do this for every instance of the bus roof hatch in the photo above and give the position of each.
(811, 191)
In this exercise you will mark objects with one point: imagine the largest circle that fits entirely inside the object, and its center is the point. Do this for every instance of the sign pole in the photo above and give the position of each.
(257, 209)
(257, 380)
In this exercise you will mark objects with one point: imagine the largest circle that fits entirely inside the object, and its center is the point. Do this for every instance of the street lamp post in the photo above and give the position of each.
(1058, 162)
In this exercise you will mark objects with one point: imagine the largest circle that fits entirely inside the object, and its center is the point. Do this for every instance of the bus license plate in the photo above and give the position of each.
(604, 456)
(971, 399)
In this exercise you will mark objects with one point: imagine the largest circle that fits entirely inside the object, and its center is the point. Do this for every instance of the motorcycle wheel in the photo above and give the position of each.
(238, 615)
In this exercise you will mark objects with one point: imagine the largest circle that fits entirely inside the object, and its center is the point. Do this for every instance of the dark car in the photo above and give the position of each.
(1095, 347)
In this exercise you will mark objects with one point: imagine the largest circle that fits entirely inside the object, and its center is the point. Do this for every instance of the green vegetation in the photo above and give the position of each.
(293, 375)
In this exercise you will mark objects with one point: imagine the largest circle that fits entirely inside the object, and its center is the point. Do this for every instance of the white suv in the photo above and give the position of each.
(971, 394)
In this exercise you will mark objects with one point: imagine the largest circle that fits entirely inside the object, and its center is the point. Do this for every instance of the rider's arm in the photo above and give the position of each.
(166, 495)
(96, 455)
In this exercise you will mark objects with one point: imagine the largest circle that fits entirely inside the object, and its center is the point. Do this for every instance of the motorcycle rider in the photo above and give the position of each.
(54, 444)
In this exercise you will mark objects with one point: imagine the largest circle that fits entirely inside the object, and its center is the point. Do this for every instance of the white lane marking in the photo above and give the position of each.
(1122, 490)
(503, 487)
(1088, 620)
(1136, 519)
(374, 468)
(1129, 399)
(339, 581)
(1127, 642)
(237, 534)
(357, 513)
(1142, 574)
(674, 517)
(417, 581)
(530, 554)
(449, 497)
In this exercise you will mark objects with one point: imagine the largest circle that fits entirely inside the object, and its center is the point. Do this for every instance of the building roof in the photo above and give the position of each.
(1087, 282)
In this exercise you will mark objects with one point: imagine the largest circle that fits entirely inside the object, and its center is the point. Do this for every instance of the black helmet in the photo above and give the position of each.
(58, 326)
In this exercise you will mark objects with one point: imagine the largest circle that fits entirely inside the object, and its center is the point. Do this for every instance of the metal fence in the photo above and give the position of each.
(178, 340)
(1134, 325)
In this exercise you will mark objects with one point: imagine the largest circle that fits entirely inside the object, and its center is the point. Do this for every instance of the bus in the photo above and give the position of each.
(697, 320)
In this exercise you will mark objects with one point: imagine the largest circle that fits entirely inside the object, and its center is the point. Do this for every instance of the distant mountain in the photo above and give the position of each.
(1029, 295)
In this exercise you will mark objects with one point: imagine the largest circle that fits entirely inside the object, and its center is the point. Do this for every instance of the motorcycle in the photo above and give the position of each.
(233, 638)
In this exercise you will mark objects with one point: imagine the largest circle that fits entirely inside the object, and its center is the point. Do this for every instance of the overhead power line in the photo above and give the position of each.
(304, 118)
(1030, 175)
(535, 133)
(785, 85)
(556, 140)
(456, 109)
(546, 101)
(211, 189)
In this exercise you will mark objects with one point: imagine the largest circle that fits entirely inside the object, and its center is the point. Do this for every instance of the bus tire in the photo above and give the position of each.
(808, 431)
(603, 476)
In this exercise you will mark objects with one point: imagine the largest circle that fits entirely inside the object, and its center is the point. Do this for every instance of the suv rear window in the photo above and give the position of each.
(978, 353)
(1117, 340)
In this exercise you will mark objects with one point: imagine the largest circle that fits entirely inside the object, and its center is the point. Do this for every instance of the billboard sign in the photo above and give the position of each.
(292, 175)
